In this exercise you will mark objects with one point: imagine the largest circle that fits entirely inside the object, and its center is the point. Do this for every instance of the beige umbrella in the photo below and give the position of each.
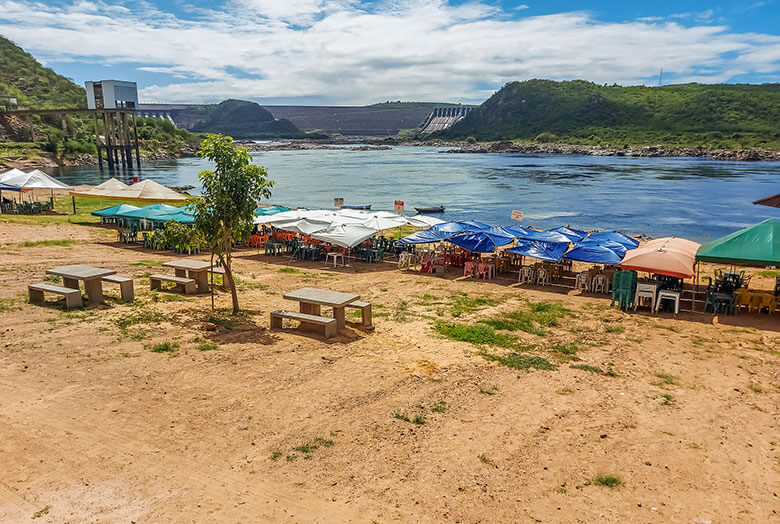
(675, 257)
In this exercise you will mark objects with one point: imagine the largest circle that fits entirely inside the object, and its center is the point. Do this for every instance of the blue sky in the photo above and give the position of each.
(353, 52)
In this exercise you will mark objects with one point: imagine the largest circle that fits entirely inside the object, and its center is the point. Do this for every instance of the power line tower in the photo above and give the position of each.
(661, 77)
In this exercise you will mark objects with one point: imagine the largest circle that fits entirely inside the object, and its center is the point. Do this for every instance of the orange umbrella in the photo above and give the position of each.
(670, 256)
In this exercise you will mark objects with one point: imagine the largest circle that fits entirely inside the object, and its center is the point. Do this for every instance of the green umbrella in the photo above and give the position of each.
(757, 245)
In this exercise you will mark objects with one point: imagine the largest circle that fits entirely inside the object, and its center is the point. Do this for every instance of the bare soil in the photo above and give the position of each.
(239, 423)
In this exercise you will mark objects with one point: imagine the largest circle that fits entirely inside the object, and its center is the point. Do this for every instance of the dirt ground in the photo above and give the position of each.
(239, 423)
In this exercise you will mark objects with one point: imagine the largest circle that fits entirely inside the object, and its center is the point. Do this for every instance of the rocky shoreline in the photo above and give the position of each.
(742, 155)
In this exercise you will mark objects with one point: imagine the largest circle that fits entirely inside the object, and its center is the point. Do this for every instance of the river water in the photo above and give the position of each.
(687, 197)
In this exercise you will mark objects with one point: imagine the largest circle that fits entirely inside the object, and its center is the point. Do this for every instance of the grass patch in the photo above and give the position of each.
(539, 316)
(586, 367)
(402, 416)
(673, 329)
(9, 304)
(768, 273)
(139, 316)
(248, 285)
(418, 419)
(41, 512)
(39, 243)
(664, 379)
(401, 312)
(164, 347)
(276, 455)
(569, 348)
(608, 481)
(477, 334)
(148, 263)
(490, 390)
(462, 304)
(519, 361)
(289, 270)
(309, 447)
(208, 346)
(755, 388)
(486, 460)
(609, 328)
(439, 407)
(668, 399)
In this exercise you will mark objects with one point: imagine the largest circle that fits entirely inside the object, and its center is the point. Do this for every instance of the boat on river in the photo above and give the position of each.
(429, 210)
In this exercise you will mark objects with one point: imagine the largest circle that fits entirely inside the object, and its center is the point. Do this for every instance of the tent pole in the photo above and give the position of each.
(73, 198)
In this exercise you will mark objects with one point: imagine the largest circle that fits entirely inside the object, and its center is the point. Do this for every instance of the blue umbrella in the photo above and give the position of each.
(574, 235)
(595, 253)
(550, 251)
(481, 241)
(459, 227)
(614, 236)
(523, 233)
(114, 210)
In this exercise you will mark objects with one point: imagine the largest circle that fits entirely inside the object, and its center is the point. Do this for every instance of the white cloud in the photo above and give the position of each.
(343, 53)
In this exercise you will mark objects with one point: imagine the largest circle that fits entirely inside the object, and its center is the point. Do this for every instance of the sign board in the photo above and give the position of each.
(338, 202)
(399, 207)
(517, 215)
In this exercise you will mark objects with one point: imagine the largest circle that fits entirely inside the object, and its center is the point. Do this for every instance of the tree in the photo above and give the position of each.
(230, 195)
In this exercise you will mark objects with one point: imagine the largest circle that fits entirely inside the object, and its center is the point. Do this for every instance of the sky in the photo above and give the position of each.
(352, 52)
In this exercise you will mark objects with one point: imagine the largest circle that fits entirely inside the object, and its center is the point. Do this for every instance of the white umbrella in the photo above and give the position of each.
(10, 173)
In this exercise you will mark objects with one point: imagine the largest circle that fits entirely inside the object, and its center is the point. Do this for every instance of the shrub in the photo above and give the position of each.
(546, 138)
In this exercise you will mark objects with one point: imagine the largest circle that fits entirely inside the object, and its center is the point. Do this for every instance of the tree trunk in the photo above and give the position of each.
(231, 284)
(212, 281)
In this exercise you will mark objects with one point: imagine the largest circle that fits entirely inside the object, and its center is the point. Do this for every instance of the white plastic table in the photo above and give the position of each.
(335, 256)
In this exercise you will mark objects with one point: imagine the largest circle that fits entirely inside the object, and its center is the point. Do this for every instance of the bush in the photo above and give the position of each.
(471, 140)
(546, 138)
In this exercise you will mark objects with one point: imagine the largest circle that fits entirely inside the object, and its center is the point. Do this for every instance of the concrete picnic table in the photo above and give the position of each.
(194, 269)
(91, 276)
(311, 299)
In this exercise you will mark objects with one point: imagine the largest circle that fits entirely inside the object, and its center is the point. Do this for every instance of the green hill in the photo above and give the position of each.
(580, 112)
(244, 120)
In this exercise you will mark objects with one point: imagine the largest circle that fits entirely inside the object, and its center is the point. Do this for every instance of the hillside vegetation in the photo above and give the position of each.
(244, 120)
(580, 112)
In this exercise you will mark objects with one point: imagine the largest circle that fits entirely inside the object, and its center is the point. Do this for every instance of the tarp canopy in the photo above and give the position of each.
(675, 257)
(574, 235)
(268, 211)
(758, 245)
(481, 241)
(524, 233)
(145, 191)
(614, 236)
(550, 251)
(443, 231)
(149, 212)
(345, 235)
(180, 216)
(311, 220)
(773, 201)
(595, 253)
(114, 210)
(35, 179)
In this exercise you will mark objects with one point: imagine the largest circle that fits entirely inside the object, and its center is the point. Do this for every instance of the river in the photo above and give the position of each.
(686, 197)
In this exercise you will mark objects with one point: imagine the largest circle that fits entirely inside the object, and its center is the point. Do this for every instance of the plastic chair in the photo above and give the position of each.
(668, 294)
(600, 284)
(542, 277)
(582, 281)
(527, 275)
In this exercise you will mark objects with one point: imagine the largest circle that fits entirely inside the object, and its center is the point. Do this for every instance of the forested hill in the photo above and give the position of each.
(34, 86)
(580, 112)
(244, 119)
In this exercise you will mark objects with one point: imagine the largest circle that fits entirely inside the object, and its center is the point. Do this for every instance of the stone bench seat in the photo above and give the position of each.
(328, 325)
(365, 308)
(181, 283)
(125, 286)
(72, 296)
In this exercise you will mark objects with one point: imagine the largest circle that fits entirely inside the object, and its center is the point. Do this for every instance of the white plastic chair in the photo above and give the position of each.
(600, 284)
(542, 277)
(582, 281)
(527, 275)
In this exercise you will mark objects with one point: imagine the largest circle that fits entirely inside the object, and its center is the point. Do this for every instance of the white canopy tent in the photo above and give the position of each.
(35, 179)
(345, 235)
(9, 174)
(379, 220)
(145, 191)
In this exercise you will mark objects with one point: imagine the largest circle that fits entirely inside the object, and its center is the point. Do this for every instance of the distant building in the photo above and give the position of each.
(112, 94)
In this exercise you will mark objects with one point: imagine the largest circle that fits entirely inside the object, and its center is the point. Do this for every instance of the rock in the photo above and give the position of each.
(209, 326)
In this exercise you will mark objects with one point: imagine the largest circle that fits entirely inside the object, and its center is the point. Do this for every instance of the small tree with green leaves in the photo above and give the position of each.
(231, 192)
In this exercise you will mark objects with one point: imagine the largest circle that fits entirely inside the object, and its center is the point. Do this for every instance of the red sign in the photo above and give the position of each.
(399, 207)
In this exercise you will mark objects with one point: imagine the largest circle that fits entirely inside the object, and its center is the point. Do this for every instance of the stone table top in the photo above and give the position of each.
(80, 272)
(188, 263)
(323, 297)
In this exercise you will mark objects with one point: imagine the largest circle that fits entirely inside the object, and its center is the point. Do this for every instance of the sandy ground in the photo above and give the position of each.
(96, 427)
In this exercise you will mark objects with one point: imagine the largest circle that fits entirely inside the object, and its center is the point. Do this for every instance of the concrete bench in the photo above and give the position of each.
(328, 325)
(125, 286)
(365, 308)
(72, 296)
(182, 283)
